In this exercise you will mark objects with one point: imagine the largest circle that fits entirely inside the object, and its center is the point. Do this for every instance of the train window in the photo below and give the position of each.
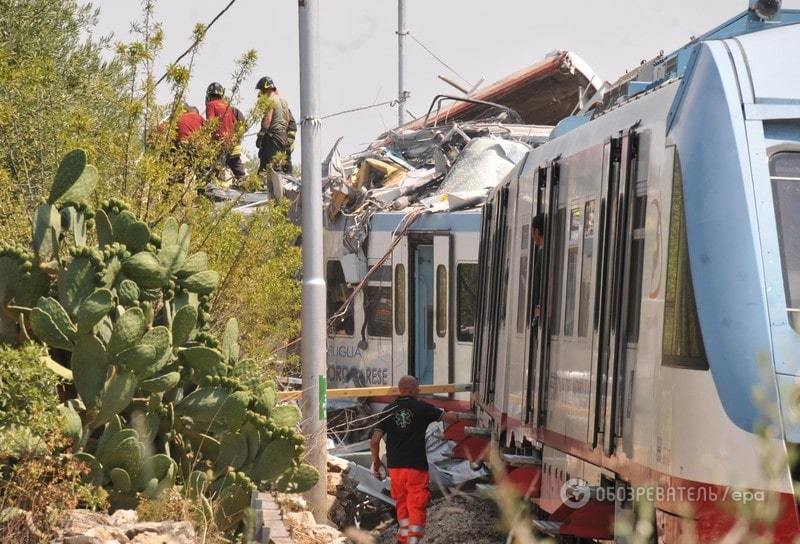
(637, 267)
(400, 299)
(784, 169)
(378, 303)
(586, 268)
(466, 300)
(337, 293)
(523, 276)
(558, 269)
(521, 299)
(441, 301)
(575, 216)
(682, 342)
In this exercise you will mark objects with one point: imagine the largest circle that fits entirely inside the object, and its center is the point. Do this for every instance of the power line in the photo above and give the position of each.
(197, 41)
(442, 62)
(390, 103)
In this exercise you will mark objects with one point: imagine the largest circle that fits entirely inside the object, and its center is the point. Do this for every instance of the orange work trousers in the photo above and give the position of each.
(410, 493)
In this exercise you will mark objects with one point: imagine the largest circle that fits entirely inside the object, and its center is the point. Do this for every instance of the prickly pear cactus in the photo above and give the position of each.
(125, 308)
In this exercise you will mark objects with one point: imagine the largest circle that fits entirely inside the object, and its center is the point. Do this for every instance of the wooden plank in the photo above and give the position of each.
(385, 391)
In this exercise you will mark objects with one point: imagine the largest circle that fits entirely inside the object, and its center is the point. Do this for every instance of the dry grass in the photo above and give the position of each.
(174, 505)
(42, 489)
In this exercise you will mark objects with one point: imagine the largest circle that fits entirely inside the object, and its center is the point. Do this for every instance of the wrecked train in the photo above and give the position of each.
(403, 226)
(655, 355)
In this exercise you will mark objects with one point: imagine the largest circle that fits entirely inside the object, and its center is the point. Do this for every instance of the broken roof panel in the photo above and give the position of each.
(542, 94)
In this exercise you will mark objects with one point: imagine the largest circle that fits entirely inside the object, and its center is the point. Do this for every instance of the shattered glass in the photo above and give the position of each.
(483, 164)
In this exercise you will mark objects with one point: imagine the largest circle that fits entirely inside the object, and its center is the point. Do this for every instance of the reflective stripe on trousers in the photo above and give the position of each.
(415, 534)
(402, 532)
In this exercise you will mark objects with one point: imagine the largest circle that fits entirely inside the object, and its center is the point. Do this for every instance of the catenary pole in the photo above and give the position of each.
(402, 94)
(312, 315)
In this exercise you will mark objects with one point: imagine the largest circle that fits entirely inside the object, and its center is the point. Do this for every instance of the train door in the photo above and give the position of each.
(441, 318)
(421, 340)
(400, 345)
(614, 284)
(480, 308)
(493, 283)
(548, 306)
(535, 283)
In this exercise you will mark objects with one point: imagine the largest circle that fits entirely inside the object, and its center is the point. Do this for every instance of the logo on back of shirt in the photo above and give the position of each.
(403, 418)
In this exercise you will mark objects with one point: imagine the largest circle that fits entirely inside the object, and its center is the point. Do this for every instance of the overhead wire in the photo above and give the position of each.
(198, 39)
(439, 59)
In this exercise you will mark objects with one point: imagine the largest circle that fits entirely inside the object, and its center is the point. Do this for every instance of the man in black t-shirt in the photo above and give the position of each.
(403, 424)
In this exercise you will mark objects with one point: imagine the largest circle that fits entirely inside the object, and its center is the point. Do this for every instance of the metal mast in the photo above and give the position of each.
(402, 93)
(313, 300)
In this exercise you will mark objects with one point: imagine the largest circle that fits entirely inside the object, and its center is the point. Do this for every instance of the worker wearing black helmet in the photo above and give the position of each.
(275, 140)
(230, 118)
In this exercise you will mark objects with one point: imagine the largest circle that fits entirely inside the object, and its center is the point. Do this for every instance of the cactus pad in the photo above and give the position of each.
(202, 359)
(128, 330)
(94, 308)
(183, 325)
(202, 283)
(75, 180)
(117, 395)
(46, 330)
(89, 369)
(286, 415)
(273, 460)
(162, 383)
(46, 229)
(144, 269)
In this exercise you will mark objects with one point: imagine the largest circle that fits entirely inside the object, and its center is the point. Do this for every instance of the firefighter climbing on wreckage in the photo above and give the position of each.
(276, 137)
(403, 424)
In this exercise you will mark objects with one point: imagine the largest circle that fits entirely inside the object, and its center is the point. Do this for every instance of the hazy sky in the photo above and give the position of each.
(487, 39)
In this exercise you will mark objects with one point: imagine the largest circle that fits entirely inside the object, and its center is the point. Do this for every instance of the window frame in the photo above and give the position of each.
(458, 315)
(400, 297)
(381, 283)
(348, 291)
(792, 311)
(678, 249)
(442, 301)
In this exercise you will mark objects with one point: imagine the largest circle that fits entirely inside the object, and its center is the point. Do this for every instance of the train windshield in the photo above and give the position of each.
(785, 173)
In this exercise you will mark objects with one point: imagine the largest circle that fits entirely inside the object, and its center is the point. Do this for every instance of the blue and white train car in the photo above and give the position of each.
(416, 313)
(650, 349)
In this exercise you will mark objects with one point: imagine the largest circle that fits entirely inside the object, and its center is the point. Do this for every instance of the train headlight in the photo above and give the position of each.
(765, 9)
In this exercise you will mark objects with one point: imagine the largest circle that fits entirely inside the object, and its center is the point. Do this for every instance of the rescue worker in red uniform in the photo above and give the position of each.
(189, 121)
(227, 132)
(403, 424)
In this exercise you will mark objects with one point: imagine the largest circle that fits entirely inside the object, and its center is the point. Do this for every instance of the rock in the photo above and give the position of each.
(336, 464)
(155, 538)
(334, 481)
(80, 521)
(105, 534)
(124, 517)
(300, 518)
(325, 534)
(291, 503)
(123, 527)
(172, 528)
